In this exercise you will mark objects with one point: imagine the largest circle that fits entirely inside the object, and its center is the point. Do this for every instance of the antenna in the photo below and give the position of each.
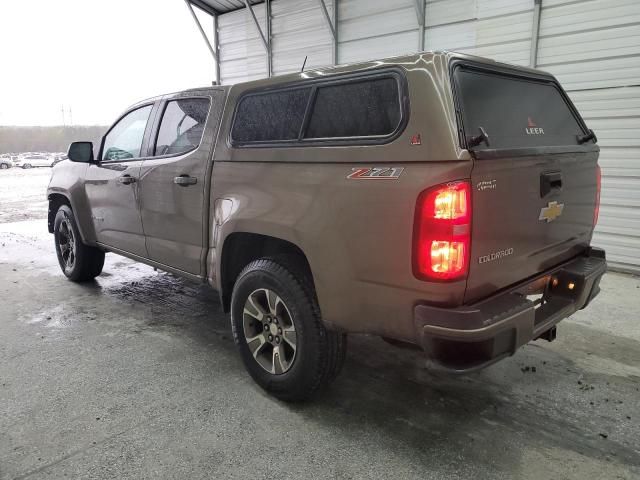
(303, 64)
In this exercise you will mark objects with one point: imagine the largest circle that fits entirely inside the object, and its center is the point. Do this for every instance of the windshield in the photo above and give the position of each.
(514, 112)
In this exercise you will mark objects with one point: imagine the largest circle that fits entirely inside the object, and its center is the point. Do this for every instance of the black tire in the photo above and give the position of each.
(319, 353)
(4, 166)
(26, 165)
(88, 261)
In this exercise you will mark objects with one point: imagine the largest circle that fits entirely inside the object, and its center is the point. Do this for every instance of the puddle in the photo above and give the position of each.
(59, 317)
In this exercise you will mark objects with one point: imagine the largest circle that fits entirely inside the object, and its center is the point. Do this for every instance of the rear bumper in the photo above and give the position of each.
(472, 337)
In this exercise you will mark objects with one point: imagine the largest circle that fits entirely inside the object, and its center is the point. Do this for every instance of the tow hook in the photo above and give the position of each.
(549, 335)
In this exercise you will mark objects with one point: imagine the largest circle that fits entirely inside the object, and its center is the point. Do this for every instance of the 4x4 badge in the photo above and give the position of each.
(552, 211)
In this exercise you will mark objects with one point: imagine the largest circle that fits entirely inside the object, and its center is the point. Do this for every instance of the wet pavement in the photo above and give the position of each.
(23, 193)
(135, 375)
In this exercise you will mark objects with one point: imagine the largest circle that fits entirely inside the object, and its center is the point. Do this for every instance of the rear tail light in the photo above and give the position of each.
(442, 232)
(596, 213)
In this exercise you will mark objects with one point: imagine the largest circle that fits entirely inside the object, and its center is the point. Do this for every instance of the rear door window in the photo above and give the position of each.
(270, 116)
(365, 108)
(515, 112)
(181, 126)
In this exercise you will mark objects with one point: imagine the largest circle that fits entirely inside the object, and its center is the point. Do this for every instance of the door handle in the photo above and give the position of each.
(185, 180)
(550, 181)
(126, 179)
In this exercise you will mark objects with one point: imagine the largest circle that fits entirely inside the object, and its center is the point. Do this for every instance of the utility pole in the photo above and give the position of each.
(62, 110)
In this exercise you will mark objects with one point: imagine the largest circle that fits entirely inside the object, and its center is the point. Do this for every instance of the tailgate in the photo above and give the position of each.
(534, 178)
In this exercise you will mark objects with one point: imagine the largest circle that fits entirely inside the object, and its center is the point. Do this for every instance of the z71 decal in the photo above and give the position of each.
(375, 173)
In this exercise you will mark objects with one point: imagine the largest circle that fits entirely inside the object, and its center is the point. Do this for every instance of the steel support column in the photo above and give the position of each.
(334, 11)
(535, 32)
(204, 35)
(332, 24)
(216, 45)
(267, 7)
(267, 44)
(421, 17)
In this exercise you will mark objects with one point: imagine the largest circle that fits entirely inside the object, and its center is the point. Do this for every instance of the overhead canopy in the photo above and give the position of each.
(216, 7)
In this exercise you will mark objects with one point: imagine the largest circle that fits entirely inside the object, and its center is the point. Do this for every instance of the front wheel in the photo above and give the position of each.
(78, 261)
(26, 165)
(278, 329)
(4, 166)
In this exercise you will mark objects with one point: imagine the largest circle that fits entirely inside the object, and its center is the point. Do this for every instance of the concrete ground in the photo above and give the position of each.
(136, 376)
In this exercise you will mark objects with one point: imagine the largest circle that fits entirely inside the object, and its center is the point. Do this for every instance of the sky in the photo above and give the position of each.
(95, 58)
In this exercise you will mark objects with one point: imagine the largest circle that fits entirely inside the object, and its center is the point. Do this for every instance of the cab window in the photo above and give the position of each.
(181, 126)
(124, 140)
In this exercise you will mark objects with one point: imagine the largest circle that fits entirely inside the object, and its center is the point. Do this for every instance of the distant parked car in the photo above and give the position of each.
(29, 161)
(5, 162)
(58, 158)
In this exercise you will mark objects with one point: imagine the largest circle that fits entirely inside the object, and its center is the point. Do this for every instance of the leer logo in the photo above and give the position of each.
(532, 128)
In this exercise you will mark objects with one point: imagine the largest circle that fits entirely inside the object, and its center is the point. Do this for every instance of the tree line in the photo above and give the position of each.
(46, 139)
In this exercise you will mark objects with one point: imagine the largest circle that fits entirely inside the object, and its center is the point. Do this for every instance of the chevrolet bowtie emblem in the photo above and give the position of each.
(551, 211)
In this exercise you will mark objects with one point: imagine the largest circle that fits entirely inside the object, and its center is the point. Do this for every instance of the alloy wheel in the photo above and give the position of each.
(67, 244)
(269, 331)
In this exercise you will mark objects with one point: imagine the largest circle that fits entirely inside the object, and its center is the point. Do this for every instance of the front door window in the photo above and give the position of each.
(124, 140)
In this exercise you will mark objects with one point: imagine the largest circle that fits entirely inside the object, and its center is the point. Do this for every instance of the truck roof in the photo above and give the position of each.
(402, 61)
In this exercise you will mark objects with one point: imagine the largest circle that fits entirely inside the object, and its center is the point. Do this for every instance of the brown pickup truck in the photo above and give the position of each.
(437, 200)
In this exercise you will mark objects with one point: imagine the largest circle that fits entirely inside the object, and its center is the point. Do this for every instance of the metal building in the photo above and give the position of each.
(592, 46)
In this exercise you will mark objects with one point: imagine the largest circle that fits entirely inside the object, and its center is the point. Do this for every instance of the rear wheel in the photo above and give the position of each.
(279, 332)
(78, 261)
(4, 166)
(26, 165)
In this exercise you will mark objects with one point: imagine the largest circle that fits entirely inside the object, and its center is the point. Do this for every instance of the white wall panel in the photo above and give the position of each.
(610, 72)
(589, 45)
(299, 29)
(588, 15)
(593, 47)
(500, 29)
(443, 12)
(242, 54)
(369, 29)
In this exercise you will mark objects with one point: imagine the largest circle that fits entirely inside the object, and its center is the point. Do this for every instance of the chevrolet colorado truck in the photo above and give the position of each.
(437, 200)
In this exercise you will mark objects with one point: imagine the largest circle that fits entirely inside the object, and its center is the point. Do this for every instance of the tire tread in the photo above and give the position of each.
(331, 345)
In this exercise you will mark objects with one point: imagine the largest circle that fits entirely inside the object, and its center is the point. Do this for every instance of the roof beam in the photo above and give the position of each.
(257, 24)
(204, 35)
(204, 7)
(323, 6)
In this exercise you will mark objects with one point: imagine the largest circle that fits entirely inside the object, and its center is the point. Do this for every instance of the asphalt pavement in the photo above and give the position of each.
(136, 375)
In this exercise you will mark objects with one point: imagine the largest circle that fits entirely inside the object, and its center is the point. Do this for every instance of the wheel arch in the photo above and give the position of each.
(241, 248)
(56, 200)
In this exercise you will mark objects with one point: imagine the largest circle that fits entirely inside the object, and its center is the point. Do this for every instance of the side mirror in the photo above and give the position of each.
(81, 152)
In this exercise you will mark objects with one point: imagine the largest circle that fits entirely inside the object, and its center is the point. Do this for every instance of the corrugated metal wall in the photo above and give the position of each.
(592, 46)
(242, 54)
(499, 29)
(299, 29)
(376, 29)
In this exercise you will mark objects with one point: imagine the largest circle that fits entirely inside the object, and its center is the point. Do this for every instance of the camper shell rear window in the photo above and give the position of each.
(516, 111)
